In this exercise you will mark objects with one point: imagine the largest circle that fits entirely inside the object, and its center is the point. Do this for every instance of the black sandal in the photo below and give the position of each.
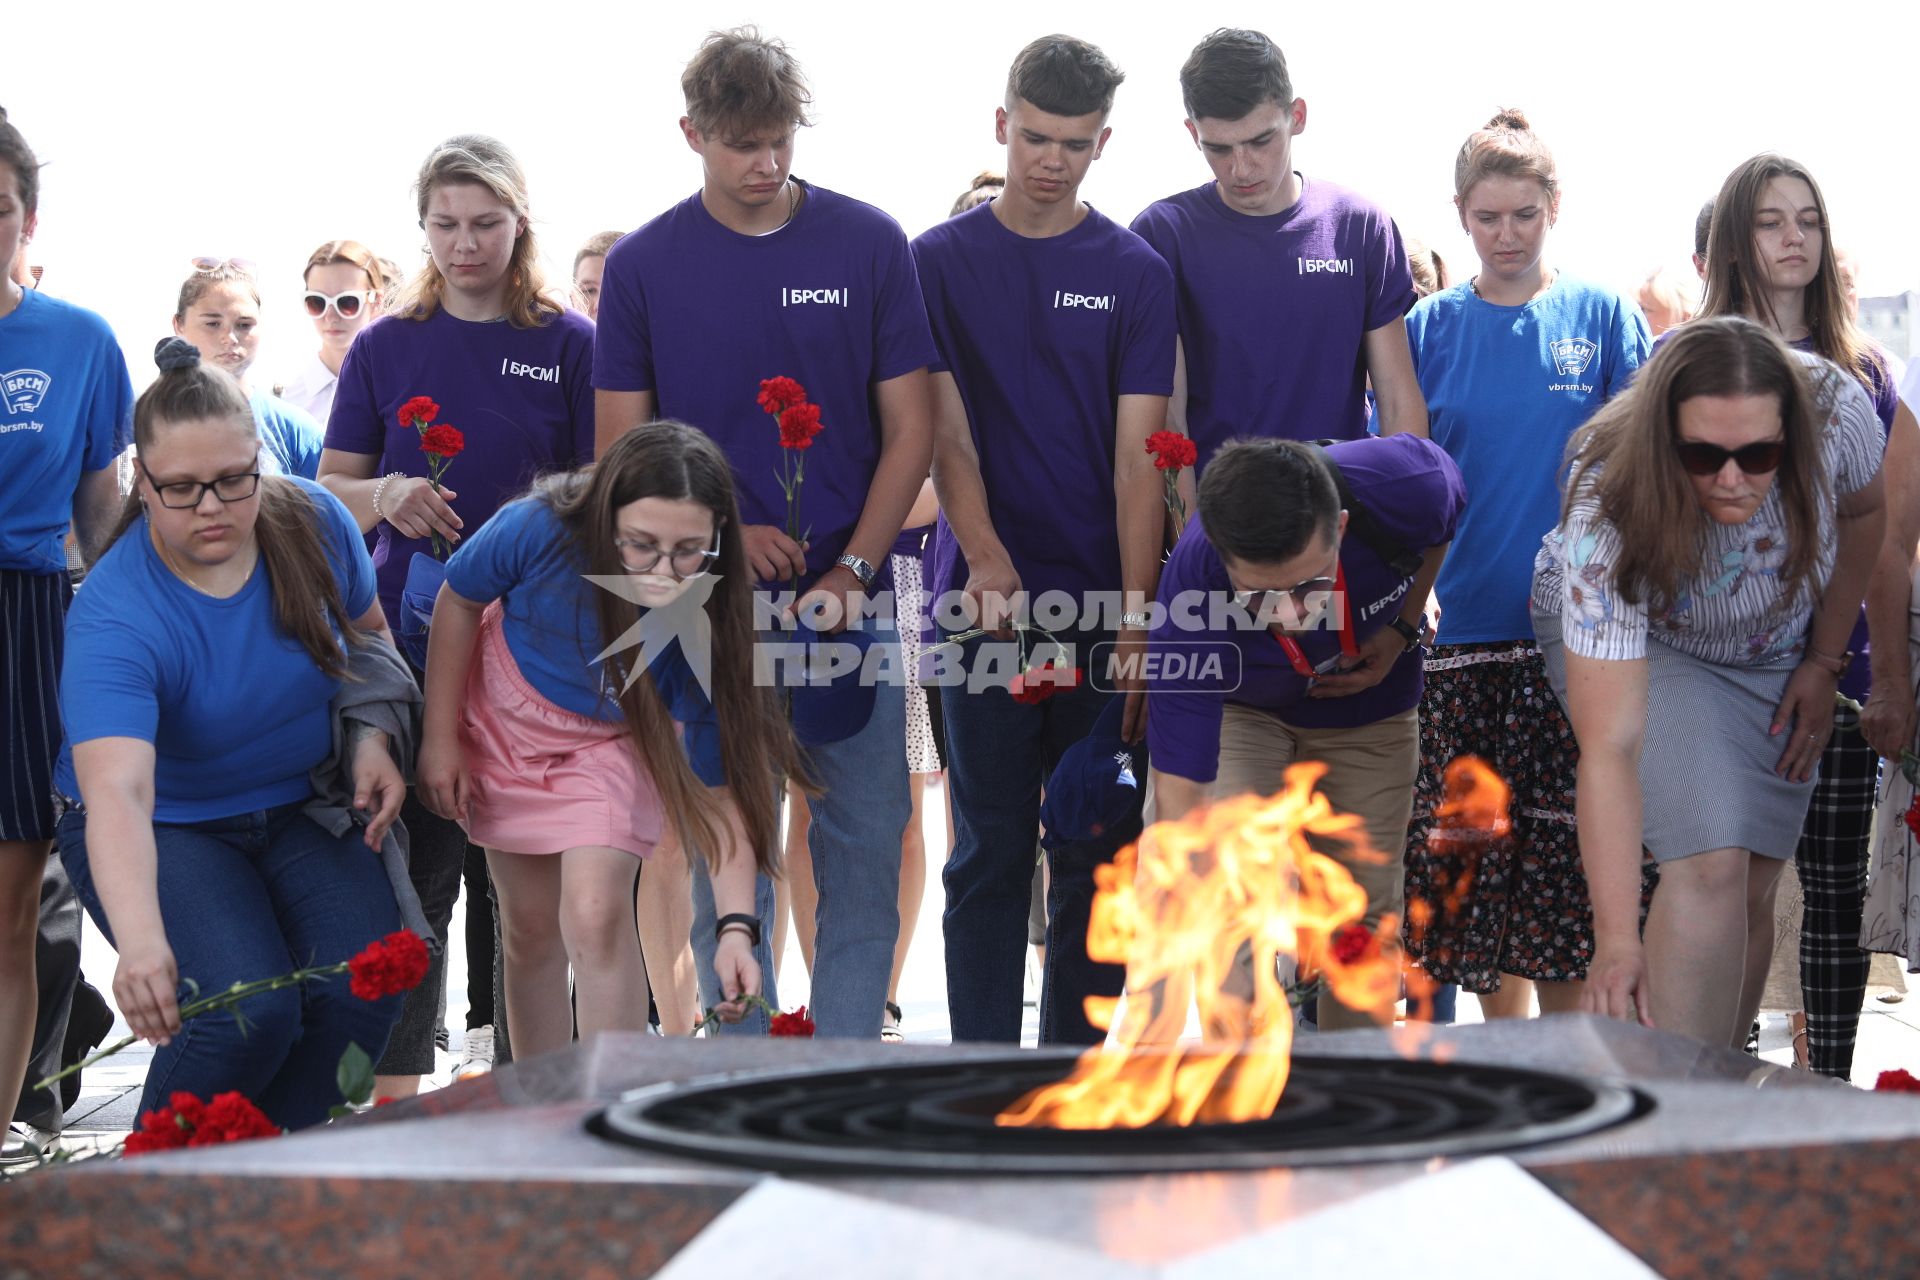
(890, 1031)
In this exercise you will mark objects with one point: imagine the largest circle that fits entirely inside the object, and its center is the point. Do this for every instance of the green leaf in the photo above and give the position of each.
(355, 1075)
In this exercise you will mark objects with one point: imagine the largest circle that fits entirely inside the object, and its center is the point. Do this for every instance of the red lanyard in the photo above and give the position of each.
(1348, 645)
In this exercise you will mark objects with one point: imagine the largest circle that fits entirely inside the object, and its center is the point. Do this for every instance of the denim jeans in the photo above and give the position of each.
(251, 897)
(1070, 977)
(857, 822)
(1000, 753)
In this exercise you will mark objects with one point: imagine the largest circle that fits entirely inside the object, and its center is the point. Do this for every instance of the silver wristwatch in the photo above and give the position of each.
(861, 569)
(1135, 619)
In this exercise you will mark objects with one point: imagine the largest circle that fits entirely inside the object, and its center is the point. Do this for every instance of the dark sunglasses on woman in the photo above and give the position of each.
(1756, 459)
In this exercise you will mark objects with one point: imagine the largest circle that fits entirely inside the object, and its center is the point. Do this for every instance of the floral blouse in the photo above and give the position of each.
(1734, 612)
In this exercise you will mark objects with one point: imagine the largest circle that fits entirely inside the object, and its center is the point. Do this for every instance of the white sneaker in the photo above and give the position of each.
(476, 1055)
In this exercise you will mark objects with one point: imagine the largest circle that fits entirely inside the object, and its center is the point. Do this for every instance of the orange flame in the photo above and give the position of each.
(1199, 911)
(1471, 816)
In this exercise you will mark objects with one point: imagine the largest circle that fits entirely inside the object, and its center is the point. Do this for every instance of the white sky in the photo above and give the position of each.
(261, 131)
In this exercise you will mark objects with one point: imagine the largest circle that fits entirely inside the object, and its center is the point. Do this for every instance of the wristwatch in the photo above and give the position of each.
(1411, 634)
(1136, 619)
(860, 569)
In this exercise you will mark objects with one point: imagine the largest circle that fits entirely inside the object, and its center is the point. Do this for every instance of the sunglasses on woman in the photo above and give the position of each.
(347, 304)
(207, 265)
(1701, 459)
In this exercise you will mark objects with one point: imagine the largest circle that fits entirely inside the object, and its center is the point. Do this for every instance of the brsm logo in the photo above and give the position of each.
(1571, 356)
(24, 389)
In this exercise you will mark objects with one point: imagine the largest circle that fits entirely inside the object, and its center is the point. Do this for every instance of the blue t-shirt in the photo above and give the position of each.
(1506, 387)
(523, 398)
(527, 560)
(1042, 337)
(292, 437)
(699, 314)
(1275, 309)
(66, 407)
(235, 708)
(1414, 492)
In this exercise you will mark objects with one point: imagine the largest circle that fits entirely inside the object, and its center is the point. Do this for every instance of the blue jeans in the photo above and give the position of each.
(855, 840)
(251, 897)
(1000, 753)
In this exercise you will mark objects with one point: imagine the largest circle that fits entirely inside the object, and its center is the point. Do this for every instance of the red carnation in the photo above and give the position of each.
(1912, 815)
(394, 964)
(796, 1023)
(442, 441)
(799, 424)
(1897, 1081)
(231, 1118)
(1037, 684)
(418, 411)
(189, 1108)
(1350, 943)
(777, 395)
(1171, 450)
(160, 1130)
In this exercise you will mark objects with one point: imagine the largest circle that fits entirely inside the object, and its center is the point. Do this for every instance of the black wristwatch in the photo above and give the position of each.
(752, 924)
(1411, 634)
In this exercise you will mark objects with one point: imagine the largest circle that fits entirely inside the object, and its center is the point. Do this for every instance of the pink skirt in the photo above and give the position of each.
(544, 778)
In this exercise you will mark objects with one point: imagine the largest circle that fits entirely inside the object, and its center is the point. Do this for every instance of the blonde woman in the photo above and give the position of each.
(345, 285)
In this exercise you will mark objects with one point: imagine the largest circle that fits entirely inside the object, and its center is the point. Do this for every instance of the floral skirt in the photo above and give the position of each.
(1524, 909)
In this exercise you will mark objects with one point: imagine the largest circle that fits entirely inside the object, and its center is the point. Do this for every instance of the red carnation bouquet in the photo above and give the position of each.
(189, 1122)
(441, 442)
(1172, 453)
(799, 422)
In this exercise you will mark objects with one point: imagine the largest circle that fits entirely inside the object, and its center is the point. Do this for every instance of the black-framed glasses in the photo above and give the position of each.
(189, 493)
(347, 304)
(642, 557)
(1702, 459)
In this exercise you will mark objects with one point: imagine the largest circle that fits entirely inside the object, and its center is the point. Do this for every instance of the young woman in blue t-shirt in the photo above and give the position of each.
(1511, 363)
(203, 655)
(564, 766)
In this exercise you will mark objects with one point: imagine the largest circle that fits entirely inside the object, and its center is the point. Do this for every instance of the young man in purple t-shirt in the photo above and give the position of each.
(1055, 332)
(760, 275)
(1292, 291)
(1289, 628)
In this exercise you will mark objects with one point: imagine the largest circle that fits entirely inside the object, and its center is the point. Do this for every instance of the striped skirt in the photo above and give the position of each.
(33, 615)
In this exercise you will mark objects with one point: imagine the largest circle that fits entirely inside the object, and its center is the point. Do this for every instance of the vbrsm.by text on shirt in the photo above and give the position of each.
(66, 408)
(1415, 493)
(1274, 310)
(523, 399)
(699, 314)
(528, 560)
(1042, 336)
(235, 708)
(1506, 388)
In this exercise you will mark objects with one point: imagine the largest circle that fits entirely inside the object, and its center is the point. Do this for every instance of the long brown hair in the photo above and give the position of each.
(485, 162)
(1505, 147)
(1625, 455)
(1737, 286)
(306, 595)
(675, 461)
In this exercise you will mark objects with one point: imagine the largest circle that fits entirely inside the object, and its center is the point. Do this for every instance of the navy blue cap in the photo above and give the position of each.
(831, 710)
(424, 577)
(1098, 786)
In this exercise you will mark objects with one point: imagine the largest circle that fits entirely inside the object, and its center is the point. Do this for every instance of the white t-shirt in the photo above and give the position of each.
(312, 389)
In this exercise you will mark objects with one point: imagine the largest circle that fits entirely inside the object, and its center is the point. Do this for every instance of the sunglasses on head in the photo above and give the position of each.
(245, 266)
(348, 304)
(1702, 459)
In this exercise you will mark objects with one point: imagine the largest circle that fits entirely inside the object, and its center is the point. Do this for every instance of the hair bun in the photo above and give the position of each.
(173, 354)
(1509, 118)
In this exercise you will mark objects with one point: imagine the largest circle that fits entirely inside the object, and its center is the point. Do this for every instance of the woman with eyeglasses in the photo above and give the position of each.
(65, 414)
(508, 364)
(1721, 519)
(568, 767)
(1511, 362)
(1770, 258)
(344, 287)
(203, 656)
(219, 313)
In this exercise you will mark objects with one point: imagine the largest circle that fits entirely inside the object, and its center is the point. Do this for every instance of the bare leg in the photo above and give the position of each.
(1559, 997)
(1696, 940)
(913, 881)
(596, 922)
(664, 907)
(1763, 880)
(22, 866)
(802, 894)
(1514, 999)
(539, 1018)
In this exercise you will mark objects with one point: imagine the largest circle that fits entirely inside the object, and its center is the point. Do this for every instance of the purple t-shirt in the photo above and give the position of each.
(1274, 309)
(523, 398)
(699, 314)
(1414, 491)
(1043, 336)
